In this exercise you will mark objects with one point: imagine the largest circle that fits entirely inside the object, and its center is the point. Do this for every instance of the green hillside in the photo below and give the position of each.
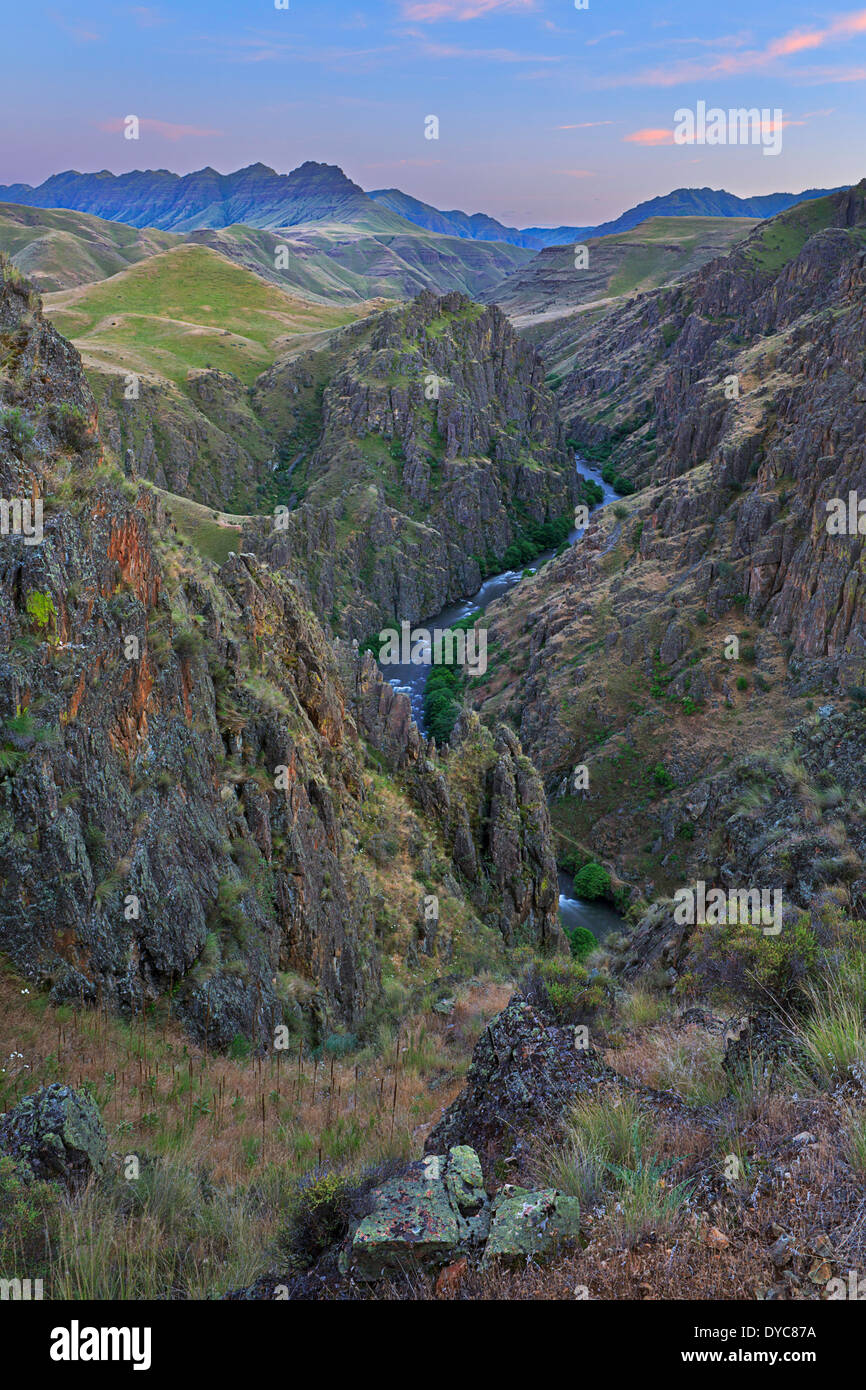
(60, 250)
(187, 308)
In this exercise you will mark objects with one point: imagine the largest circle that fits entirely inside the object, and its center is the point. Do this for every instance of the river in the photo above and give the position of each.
(411, 680)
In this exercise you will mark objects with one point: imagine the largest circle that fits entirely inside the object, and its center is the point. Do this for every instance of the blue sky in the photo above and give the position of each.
(548, 114)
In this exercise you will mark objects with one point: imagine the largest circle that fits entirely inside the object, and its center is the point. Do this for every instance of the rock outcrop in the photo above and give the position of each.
(56, 1134)
(525, 1074)
(423, 441)
(184, 791)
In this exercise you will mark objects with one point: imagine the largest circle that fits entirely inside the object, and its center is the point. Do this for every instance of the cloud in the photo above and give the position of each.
(74, 30)
(167, 129)
(430, 11)
(583, 125)
(487, 55)
(611, 34)
(650, 136)
(577, 173)
(735, 63)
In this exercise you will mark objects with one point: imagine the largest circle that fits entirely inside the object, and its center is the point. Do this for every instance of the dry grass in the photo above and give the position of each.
(221, 1142)
(688, 1061)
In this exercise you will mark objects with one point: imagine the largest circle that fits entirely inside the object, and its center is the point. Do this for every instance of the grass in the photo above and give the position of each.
(213, 534)
(58, 249)
(608, 1154)
(833, 1036)
(222, 1142)
(185, 309)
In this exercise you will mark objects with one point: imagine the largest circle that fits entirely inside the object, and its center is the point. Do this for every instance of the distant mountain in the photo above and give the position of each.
(476, 226)
(682, 202)
(259, 197)
(256, 196)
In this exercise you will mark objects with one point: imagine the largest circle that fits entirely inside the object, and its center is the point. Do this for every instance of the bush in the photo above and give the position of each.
(738, 961)
(582, 942)
(442, 702)
(16, 429)
(661, 777)
(591, 882)
(28, 1224)
(565, 990)
(323, 1207)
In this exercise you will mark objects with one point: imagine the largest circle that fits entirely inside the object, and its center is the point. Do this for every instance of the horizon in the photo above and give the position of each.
(470, 211)
(549, 115)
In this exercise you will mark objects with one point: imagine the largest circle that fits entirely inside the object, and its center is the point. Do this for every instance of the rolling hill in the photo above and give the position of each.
(196, 330)
(656, 253)
(338, 262)
(58, 250)
(186, 308)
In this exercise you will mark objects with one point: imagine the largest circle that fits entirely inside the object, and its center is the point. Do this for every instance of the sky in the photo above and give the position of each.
(548, 114)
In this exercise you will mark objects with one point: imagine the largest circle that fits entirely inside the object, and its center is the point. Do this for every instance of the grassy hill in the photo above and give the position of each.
(186, 308)
(197, 330)
(60, 250)
(344, 263)
(656, 253)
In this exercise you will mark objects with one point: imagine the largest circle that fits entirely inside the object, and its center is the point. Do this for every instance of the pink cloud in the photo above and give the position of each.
(732, 64)
(429, 11)
(650, 136)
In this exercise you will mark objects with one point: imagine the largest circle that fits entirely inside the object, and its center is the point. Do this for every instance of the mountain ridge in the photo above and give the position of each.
(258, 196)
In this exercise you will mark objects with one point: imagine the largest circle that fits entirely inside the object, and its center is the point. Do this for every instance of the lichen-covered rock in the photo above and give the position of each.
(530, 1225)
(525, 1073)
(424, 1218)
(56, 1133)
(465, 1180)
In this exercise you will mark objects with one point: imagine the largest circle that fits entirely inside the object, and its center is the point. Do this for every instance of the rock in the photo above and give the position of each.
(530, 1225)
(761, 1041)
(444, 1007)
(800, 1140)
(524, 1075)
(465, 1181)
(780, 1253)
(430, 1215)
(56, 1133)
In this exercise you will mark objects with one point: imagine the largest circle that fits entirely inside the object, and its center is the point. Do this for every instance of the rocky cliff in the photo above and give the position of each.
(189, 809)
(702, 620)
(420, 445)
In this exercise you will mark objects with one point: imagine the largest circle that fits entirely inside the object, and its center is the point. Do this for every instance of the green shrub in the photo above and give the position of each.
(582, 942)
(29, 1215)
(591, 882)
(187, 643)
(661, 777)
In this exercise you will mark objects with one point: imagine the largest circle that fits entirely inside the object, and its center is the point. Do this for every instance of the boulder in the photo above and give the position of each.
(429, 1216)
(525, 1073)
(56, 1133)
(530, 1225)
